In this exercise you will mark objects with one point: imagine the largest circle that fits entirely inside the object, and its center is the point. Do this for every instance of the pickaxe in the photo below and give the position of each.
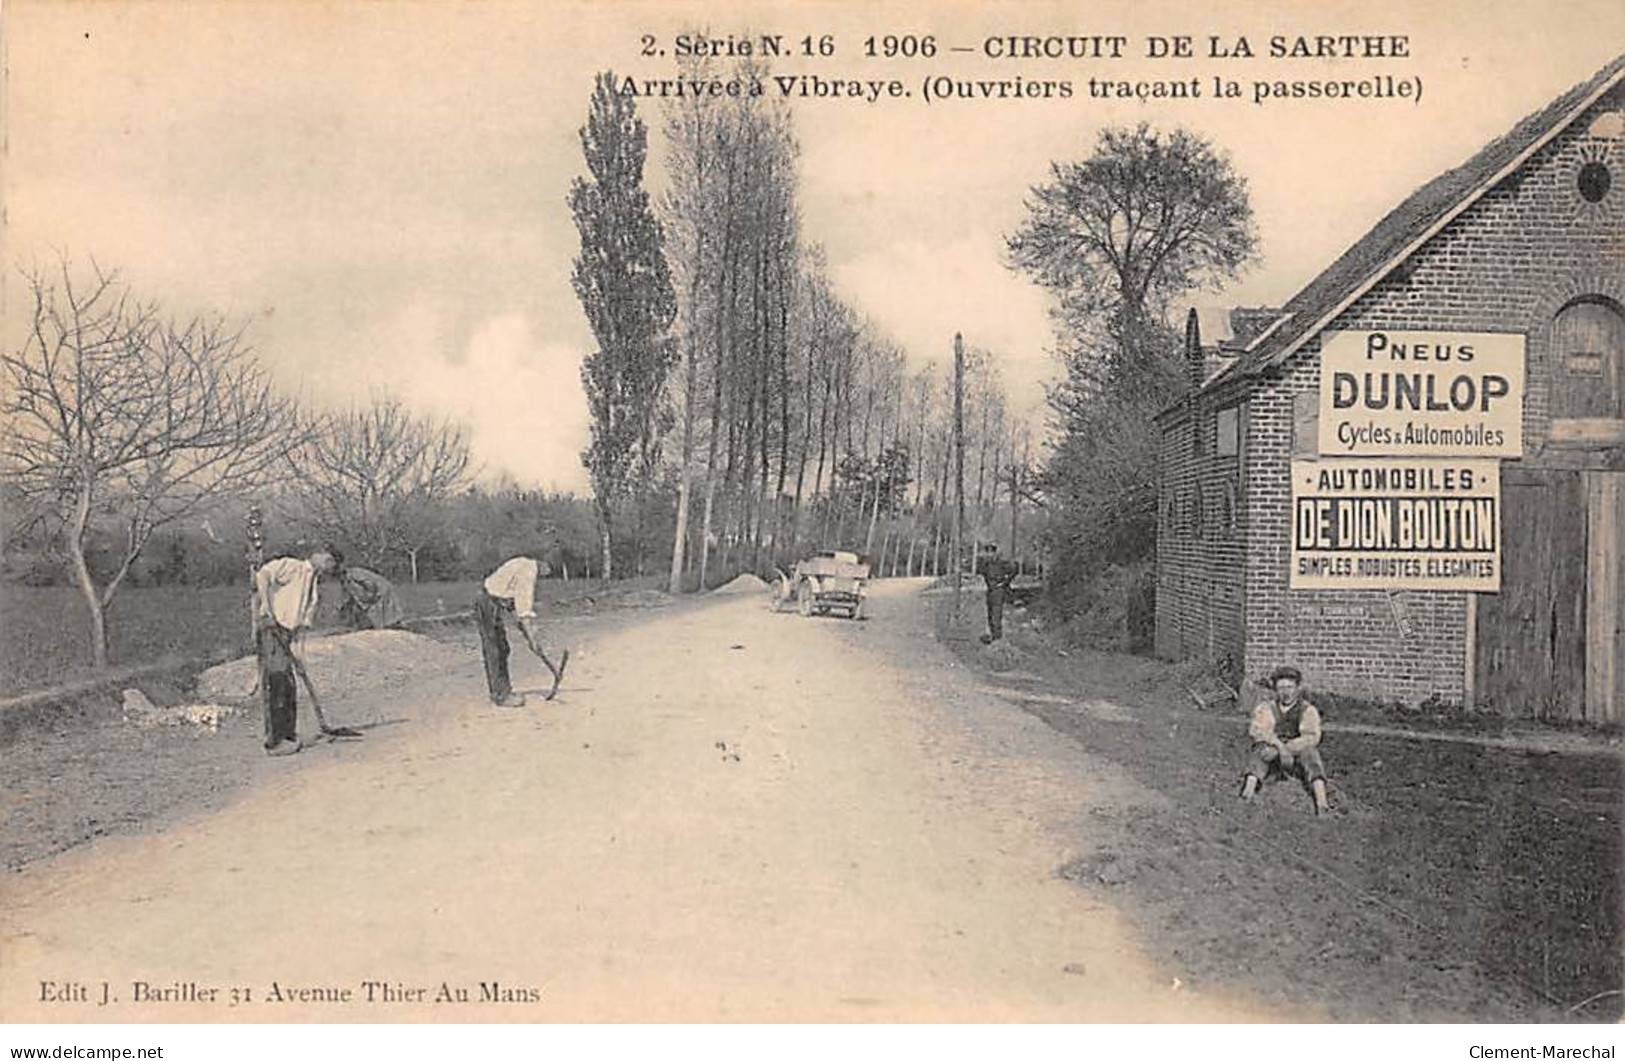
(557, 672)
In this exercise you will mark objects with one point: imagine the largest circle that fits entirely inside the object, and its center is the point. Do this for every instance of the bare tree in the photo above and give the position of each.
(734, 228)
(378, 476)
(794, 407)
(115, 412)
(692, 163)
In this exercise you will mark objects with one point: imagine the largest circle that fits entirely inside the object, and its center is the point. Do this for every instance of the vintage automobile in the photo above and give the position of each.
(826, 582)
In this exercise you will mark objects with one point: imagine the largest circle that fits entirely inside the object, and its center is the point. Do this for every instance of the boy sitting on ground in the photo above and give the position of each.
(1286, 738)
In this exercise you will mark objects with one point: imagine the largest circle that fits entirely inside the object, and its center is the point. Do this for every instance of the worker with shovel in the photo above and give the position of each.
(512, 588)
(285, 604)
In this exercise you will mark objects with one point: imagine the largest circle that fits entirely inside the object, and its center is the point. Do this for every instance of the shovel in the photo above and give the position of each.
(336, 732)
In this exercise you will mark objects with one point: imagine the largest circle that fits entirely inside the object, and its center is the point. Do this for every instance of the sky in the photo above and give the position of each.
(379, 190)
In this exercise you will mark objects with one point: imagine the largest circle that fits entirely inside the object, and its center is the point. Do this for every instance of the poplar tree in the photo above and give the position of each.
(624, 284)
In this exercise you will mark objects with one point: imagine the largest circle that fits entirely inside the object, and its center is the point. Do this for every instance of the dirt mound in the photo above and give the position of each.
(363, 658)
(746, 583)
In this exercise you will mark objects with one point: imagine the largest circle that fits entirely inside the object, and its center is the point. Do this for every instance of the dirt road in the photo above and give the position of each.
(726, 815)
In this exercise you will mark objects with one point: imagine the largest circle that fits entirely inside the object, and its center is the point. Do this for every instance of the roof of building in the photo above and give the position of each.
(1247, 323)
(1228, 329)
(1409, 225)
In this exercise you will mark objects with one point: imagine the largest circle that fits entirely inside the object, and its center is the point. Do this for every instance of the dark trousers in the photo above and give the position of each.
(995, 613)
(493, 644)
(1266, 760)
(278, 686)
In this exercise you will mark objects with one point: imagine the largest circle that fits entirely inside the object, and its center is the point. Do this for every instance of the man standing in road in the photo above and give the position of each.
(1286, 738)
(285, 604)
(998, 573)
(511, 587)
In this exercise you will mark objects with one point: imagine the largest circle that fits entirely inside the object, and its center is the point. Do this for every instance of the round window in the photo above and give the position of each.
(1594, 181)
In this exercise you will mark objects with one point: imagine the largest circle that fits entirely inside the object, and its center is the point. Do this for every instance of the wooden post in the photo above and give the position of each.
(1604, 501)
(959, 467)
(255, 554)
(1469, 678)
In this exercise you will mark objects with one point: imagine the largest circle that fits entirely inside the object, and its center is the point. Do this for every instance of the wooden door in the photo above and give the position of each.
(1605, 596)
(1588, 362)
(1531, 652)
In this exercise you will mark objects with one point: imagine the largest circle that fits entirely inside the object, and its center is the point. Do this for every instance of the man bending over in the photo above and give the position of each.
(511, 588)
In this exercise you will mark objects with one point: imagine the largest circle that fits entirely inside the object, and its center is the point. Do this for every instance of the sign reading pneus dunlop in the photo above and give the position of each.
(1396, 524)
(1398, 393)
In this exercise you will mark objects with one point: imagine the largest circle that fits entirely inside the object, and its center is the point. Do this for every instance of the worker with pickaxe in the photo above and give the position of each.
(512, 588)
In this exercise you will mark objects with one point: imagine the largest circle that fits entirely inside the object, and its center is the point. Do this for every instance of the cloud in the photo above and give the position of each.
(932, 290)
(522, 401)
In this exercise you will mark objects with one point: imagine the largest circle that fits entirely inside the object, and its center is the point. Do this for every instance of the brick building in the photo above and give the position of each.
(1524, 239)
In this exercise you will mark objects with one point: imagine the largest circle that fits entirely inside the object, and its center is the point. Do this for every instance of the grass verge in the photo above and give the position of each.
(1453, 882)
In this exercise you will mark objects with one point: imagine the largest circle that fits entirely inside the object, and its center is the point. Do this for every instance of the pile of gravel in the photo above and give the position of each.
(746, 583)
(344, 661)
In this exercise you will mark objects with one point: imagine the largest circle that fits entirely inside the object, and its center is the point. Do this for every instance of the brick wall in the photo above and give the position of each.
(1509, 263)
(1200, 543)
(1345, 641)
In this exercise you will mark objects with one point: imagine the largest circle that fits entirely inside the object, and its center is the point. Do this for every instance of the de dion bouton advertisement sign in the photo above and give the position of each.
(1398, 524)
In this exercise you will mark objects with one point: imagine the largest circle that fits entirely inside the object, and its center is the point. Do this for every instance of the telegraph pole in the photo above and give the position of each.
(1018, 473)
(959, 466)
(1015, 485)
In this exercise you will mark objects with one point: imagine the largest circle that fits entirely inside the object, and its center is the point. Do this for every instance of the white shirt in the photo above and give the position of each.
(515, 581)
(287, 591)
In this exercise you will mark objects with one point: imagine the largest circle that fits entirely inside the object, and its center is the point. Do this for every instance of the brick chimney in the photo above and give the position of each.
(1194, 361)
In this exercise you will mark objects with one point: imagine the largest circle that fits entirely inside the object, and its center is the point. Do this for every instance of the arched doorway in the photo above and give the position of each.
(1588, 347)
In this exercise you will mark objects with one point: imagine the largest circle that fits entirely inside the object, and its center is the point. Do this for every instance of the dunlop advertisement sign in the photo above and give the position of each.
(1396, 524)
(1393, 393)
